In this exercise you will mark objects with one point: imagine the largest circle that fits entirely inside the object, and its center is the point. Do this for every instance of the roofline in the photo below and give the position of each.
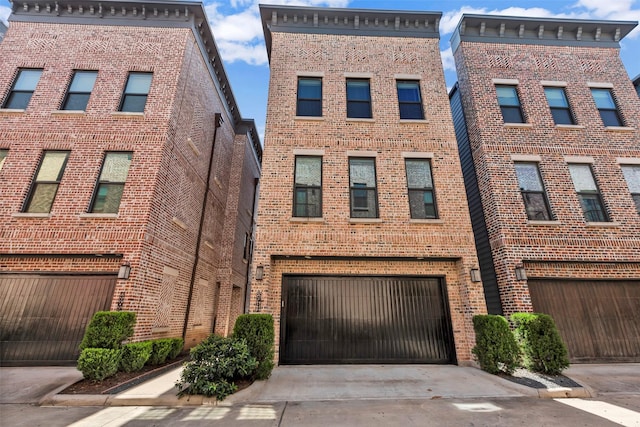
(540, 31)
(343, 21)
(156, 13)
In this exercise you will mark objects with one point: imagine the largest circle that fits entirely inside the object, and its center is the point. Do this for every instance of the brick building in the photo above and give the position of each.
(548, 126)
(128, 177)
(364, 249)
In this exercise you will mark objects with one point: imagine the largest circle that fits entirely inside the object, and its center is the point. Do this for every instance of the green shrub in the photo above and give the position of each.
(496, 347)
(135, 355)
(258, 331)
(176, 348)
(160, 350)
(541, 344)
(214, 366)
(99, 363)
(108, 329)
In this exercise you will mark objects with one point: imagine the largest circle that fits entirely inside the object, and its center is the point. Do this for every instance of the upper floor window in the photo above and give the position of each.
(606, 106)
(22, 89)
(135, 93)
(559, 105)
(588, 193)
(110, 186)
(79, 90)
(422, 203)
(309, 97)
(3, 156)
(363, 190)
(307, 197)
(509, 104)
(632, 175)
(532, 190)
(45, 185)
(409, 100)
(358, 99)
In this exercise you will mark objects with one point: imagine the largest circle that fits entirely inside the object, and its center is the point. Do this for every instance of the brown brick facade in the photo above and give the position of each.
(156, 228)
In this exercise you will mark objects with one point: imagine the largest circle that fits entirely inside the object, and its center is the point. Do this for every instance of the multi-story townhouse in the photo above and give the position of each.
(548, 126)
(364, 249)
(128, 176)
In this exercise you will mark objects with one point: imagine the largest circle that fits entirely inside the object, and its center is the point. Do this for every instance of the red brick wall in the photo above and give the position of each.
(394, 234)
(513, 238)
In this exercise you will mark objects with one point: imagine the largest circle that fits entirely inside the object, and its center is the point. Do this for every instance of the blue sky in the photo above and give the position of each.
(238, 32)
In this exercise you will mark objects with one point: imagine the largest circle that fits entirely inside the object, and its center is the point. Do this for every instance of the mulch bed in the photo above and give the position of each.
(537, 380)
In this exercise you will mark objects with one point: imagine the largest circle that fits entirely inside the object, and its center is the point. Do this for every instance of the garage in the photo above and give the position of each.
(598, 320)
(43, 317)
(363, 319)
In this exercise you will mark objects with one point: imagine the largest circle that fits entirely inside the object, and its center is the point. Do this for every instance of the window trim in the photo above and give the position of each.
(419, 102)
(11, 91)
(70, 92)
(543, 192)
(296, 187)
(98, 183)
(353, 188)
(566, 109)
(510, 107)
(615, 110)
(125, 93)
(597, 193)
(299, 98)
(424, 190)
(35, 182)
(359, 101)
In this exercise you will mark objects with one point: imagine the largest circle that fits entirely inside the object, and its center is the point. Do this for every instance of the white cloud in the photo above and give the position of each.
(447, 60)
(4, 14)
(621, 10)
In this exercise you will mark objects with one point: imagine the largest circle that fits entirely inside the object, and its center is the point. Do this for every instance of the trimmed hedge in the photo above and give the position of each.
(214, 366)
(161, 348)
(541, 344)
(176, 348)
(135, 355)
(496, 347)
(258, 331)
(99, 363)
(108, 329)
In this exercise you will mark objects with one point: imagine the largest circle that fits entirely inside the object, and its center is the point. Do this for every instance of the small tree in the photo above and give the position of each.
(541, 344)
(496, 347)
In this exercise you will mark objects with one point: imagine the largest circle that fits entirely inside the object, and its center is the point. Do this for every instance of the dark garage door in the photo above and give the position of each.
(598, 320)
(364, 320)
(43, 317)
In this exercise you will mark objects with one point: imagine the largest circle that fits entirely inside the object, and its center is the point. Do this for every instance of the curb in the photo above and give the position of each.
(114, 400)
(564, 392)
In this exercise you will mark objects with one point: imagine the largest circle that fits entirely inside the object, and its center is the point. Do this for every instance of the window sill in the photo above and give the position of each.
(353, 119)
(365, 220)
(98, 215)
(306, 219)
(543, 222)
(569, 127)
(518, 125)
(312, 118)
(124, 114)
(31, 215)
(11, 110)
(619, 129)
(603, 224)
(436, 221)
(68, 113)
(409, 121)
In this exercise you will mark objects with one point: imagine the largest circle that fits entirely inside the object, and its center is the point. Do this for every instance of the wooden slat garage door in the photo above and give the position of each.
(365, 320)
(43, 317)
(599, 320)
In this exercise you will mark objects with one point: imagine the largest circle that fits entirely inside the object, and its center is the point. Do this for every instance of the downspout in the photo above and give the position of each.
(218, 122)
(247, 286)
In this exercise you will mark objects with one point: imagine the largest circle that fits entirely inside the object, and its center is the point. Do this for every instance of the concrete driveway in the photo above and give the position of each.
(31, 384)
(604, 379)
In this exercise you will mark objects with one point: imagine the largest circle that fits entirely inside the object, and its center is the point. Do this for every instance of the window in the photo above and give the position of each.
(307, 197)
(358, 99)
(632, 175)
(533, 194)
(588, 193)
(509, 104)
(606, 106)
(309, 97)
(409, 100)
(3, 156)
(108, 192)
(362, 181)
(136, 92)
(422, 202)
(79, 90)
(559, 105)
(22, 89)
(45, 186)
